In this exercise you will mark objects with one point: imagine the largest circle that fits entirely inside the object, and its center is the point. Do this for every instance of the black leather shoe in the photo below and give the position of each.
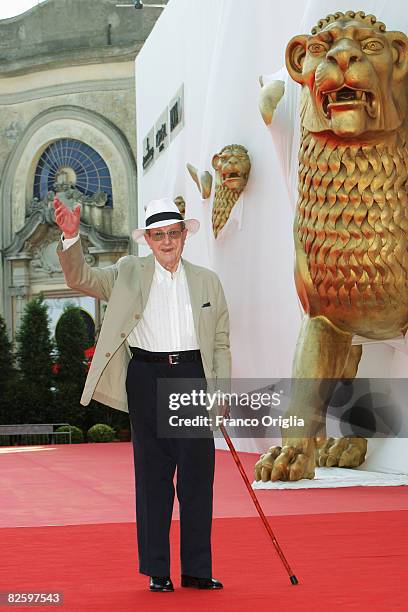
(200, 583)
(161, 584)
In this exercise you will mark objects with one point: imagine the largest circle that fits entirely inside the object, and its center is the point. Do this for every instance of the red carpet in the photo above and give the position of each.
(343, 561)
(67, 518)
(94, 483)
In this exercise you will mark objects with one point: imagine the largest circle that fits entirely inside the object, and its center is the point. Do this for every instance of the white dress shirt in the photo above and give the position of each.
(167, 323)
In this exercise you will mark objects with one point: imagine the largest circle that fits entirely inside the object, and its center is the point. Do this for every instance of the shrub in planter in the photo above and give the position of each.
(77, 435)
(101, 433)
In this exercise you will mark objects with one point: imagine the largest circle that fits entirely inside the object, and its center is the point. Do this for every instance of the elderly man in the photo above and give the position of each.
(166, 319)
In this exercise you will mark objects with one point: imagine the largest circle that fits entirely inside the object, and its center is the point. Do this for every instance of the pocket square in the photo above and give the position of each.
(206, 305)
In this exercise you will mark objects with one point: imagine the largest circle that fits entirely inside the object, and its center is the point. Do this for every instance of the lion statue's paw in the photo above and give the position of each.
(293, 461)
(344, 452)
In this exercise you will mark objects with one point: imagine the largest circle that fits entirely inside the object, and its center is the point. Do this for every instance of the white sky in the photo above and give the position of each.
(10, 8)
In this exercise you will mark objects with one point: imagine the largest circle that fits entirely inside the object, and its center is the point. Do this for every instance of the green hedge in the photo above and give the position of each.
(101, 433)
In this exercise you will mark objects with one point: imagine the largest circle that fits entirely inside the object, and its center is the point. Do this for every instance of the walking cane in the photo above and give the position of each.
(268, 528)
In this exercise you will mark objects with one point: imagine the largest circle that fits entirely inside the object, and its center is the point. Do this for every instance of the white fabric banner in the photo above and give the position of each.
(217, 49)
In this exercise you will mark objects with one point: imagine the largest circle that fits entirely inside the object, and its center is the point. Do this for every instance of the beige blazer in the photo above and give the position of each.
(126, 286)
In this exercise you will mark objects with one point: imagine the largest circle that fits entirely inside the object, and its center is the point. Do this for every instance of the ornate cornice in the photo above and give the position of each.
(69, 58)
(67, 88)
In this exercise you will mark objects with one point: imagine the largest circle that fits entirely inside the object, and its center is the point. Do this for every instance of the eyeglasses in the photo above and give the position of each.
(173, 234)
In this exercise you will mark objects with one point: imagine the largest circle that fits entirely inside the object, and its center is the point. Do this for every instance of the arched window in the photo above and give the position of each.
(72, 162)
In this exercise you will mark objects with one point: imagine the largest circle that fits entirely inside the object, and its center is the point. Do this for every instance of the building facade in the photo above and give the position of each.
(67, 127)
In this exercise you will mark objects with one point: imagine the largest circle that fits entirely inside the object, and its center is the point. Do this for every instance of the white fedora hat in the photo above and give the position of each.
(160, 213)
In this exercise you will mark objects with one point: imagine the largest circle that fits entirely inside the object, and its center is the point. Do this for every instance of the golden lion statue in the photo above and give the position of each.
(232, 166)
(351, 222)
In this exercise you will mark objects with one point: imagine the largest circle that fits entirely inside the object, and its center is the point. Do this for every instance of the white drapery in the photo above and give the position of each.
(218, 48)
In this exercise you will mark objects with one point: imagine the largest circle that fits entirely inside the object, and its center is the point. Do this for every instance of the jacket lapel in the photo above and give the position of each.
(146, 278)
(195, 287)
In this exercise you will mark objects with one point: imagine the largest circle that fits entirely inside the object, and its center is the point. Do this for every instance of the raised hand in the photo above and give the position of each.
(67, 219)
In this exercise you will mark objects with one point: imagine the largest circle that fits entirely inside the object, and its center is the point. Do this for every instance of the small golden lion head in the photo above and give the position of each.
(181, 205)
(232, 166)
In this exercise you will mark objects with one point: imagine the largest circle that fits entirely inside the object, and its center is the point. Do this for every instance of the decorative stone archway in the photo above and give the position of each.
(29, 234)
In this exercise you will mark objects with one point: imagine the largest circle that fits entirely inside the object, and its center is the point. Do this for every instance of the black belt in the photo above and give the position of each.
(170, 358)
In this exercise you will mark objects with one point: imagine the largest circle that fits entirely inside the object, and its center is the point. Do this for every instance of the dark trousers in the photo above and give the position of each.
(155, 460)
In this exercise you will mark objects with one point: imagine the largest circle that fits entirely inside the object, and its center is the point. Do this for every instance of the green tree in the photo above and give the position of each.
(7, 376)
(72, 340)
(34, 398)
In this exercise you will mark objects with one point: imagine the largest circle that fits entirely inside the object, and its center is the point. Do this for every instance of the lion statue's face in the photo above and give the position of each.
(353, 78)
(232, 166)
(181, 204)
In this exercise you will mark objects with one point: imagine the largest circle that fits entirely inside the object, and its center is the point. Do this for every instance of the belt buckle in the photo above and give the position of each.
(173, 356)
